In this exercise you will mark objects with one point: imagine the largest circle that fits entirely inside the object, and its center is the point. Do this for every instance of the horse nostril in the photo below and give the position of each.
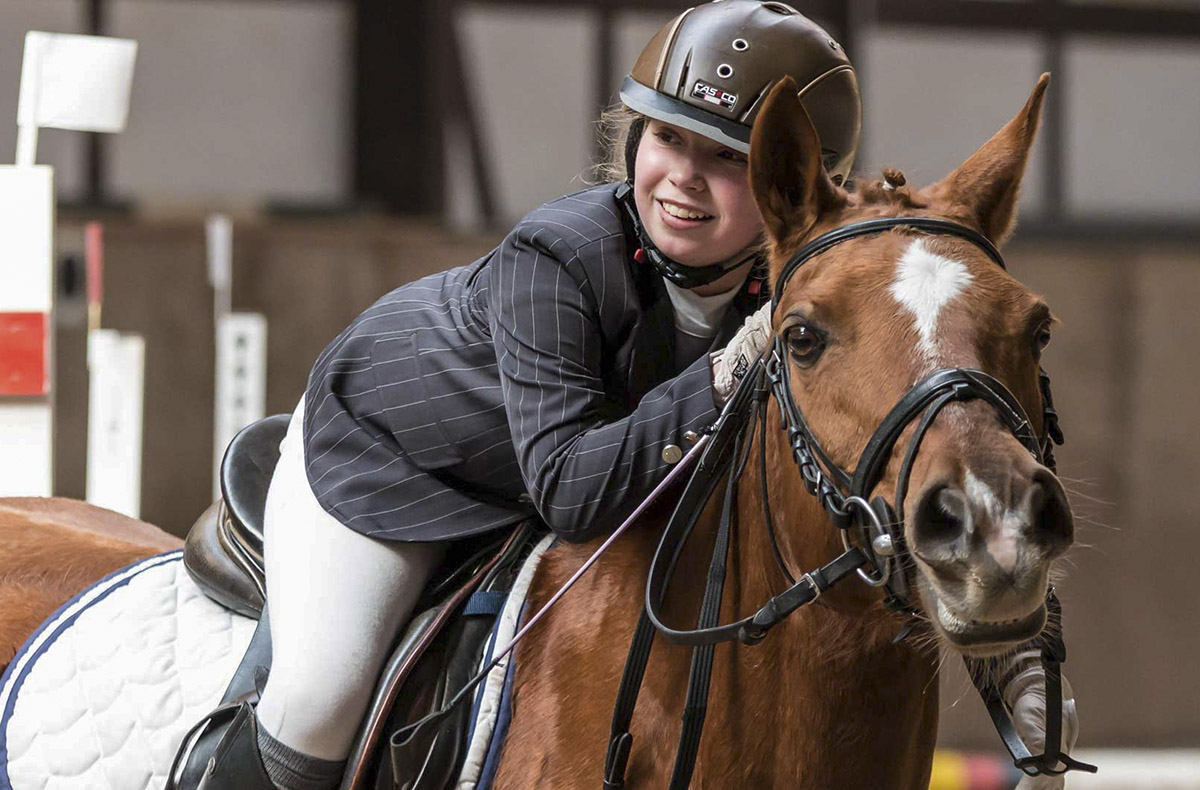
(941, 520)
(1050, 512)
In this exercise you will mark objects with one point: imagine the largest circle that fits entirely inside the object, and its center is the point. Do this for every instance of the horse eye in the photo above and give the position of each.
(1041, 339)
(805, 344)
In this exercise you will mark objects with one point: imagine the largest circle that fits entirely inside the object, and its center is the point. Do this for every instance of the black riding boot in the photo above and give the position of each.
(234, 764)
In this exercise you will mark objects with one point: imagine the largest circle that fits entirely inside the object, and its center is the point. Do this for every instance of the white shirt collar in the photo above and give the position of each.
(699, 316)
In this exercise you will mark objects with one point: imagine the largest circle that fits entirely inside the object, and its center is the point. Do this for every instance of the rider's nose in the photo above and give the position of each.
(940, 524)
(684, 175)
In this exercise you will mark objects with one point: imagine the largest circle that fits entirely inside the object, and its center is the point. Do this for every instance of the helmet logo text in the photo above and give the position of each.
(714, 95)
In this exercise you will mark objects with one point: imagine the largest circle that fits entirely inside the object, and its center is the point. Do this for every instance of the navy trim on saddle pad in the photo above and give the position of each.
(500, 734)
(498, 599)
(20, 666)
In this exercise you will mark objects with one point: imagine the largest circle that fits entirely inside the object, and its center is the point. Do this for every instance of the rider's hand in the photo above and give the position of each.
(1025, 695)
(731, 363)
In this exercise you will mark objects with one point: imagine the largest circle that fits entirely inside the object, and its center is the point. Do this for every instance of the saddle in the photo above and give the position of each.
(433, 656)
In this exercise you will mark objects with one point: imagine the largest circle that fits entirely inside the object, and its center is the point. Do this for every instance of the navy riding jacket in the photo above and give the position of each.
(537, 381)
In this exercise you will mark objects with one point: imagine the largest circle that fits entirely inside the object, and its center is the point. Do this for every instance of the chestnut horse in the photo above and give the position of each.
(52, 548)
(829, 699)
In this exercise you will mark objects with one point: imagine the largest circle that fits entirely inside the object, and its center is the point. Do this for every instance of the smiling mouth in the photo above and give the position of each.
(679, 212)
(982, 634)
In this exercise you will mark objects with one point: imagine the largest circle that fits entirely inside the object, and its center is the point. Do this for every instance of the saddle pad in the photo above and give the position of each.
(490, 701)
(101, 695)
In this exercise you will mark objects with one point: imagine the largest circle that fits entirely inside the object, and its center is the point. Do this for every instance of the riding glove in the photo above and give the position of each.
(731, 363)
(1025, 696)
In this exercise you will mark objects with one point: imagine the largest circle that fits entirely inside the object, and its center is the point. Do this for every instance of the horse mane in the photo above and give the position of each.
(891, 190)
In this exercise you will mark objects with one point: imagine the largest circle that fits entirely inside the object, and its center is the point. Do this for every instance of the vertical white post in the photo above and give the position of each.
(27, 139)
(116, 373)
(241, 379)
(241, 344)
(218, 237)
(116, 381)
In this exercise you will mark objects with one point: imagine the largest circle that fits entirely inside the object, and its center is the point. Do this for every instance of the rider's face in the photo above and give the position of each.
(693, 196)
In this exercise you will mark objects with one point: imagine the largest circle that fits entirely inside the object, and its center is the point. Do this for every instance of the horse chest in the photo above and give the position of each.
(798, 710)
(805, 711)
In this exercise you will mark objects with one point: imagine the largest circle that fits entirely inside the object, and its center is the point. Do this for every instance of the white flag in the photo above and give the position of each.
(76, 82)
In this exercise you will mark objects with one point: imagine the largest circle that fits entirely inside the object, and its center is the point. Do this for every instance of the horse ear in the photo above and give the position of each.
(787, 176)
(985, 187)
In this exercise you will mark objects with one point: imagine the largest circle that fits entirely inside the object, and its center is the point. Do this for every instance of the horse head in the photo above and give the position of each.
(865, 321)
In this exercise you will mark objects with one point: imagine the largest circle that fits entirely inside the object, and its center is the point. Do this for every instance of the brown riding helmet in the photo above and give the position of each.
(709, 69)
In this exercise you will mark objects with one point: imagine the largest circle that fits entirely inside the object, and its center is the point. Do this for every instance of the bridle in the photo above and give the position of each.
(845, 495)
(871, 531)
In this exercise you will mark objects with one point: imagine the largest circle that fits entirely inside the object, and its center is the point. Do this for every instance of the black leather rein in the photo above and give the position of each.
(872, 532)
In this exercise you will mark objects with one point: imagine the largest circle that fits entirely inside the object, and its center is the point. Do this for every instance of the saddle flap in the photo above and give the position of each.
(225, 574)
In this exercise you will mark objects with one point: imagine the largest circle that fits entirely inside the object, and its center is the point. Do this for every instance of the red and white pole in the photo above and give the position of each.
(26, 299)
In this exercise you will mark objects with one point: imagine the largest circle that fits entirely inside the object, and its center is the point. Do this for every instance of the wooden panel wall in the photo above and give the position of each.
(309, 278)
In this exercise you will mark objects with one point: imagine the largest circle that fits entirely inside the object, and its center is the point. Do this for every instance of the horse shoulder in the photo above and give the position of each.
(569, 666)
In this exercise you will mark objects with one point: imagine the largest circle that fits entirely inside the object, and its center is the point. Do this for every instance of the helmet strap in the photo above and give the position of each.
(673, 271)
(632, 140)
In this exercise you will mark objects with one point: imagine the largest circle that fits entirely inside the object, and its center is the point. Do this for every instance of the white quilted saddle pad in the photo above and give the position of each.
(101, 695)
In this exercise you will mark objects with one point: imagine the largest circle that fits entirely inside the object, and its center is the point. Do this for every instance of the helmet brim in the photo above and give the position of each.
(668, 109)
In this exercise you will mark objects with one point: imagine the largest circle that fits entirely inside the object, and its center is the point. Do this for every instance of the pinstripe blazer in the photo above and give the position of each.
(537, 381)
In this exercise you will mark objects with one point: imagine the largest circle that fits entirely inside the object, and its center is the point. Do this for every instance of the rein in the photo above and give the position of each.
(878, 557)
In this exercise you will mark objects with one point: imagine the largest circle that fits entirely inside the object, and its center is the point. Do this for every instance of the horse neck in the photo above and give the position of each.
(829, 674)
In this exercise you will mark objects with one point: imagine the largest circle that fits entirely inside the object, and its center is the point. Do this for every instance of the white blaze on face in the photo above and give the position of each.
(925, 283)
(1005, 529)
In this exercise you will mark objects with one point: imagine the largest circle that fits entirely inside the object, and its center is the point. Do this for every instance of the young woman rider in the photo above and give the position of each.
(555, 378)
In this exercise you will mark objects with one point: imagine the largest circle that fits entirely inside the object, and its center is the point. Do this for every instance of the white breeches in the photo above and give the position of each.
(336, 600)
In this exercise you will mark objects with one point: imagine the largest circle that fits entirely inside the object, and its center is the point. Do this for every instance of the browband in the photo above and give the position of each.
(870, 227)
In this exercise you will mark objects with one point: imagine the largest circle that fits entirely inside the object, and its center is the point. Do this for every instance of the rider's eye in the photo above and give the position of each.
(805, 344)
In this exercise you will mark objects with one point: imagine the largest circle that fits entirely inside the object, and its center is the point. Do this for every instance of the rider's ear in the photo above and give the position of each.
(786, 172)
(984, 189)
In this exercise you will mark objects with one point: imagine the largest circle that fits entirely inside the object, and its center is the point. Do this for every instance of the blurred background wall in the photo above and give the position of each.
(361, 144)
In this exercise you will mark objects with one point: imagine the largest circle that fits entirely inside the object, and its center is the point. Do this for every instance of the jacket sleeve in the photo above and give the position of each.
(585, 465)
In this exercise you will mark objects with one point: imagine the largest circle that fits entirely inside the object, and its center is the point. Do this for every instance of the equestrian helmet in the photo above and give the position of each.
(709, 69)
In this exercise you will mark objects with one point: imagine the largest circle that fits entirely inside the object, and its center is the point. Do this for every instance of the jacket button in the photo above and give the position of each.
(672, 454)
(691, 437)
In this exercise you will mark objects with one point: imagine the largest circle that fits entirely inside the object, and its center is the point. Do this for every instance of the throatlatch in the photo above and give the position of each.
(872, 532)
